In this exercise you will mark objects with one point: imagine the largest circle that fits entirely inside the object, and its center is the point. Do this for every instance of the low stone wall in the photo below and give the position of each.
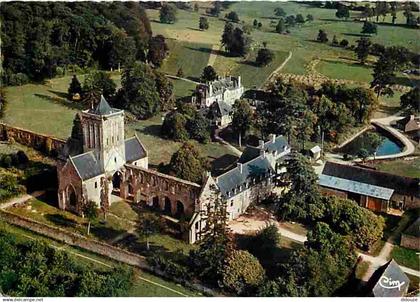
(41, 142)
(94, 246)
(410, 242)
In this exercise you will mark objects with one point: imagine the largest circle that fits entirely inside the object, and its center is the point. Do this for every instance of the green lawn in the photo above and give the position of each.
(406, 257)
(345, 71)
(144, 284)
(410, 168)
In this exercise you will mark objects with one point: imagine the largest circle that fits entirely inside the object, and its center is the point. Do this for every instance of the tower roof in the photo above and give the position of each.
(103, 108)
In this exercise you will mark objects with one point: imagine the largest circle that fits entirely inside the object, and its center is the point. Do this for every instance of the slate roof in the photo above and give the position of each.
(252, 152)
(86, 165)
(383, 282)
(400, 184)
(103, 108)
(220, 85)
(224, 108)
(233, 179)
(414, 229)
(134, 149)
(355, 187)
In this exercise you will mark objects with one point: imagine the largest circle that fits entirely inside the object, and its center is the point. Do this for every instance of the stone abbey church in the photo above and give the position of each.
(108, 163)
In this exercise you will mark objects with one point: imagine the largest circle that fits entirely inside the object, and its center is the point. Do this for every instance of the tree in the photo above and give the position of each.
(334, 41)
(362, 49)
(216, 9)
(309, 18)
(363, 154)
(411, 100)
(165, 88)
(138, 93)
(322, 36)
(369, 28)
(90, 211)
(75, 87)
(342, 12)
(383, 76)
(198, 128)
(255, 23)
(180, 72)
(278, 11)
(99, 82)
(242, 118)
(158, 50)
(264, 57)
(196, 7)
(300, 18)
(3, 102)
(242, 273)
(302, 202)
(233, 17)
(209, 259)
(235, 41)
(121, 50)
(281, 26)
(174, 126)
(305, 129)
(344, 43)
(265, 242)
(209, 74)
(203, 24)
(291, 20)
(149, 225)
(188, 164)
(167, 14)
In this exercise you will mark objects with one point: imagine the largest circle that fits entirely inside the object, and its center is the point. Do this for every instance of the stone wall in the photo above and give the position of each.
(94, 246)
(410, 242)
(41, 142)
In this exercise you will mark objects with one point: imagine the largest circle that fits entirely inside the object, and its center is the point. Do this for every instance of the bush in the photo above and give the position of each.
(264, 57)
(344, 43)
(170, 268)
(242, 273)
(18, 79)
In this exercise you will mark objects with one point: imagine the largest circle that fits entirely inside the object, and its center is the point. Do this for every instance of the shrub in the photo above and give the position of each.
(242, 273)
(169, 267)
(344, 43)
(265, 242)
(18, 79)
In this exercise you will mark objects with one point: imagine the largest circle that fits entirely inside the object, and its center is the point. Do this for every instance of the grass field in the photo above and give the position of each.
(406, 257)
(145, 284)
(345, 71)
(410, 168)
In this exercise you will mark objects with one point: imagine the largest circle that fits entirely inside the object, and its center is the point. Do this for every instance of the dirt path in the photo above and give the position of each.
(21, 199)
(277, 70)
(213, 54)
(183, 79)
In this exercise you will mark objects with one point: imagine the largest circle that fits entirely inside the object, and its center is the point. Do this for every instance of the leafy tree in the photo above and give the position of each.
(264, 57)
(196, 7)
(368, 12)
(259, 24)
(342, 12)
(209, 259)
(255, 23)
(242, 272)
(121, 50)
(233, 17)
(174, 126)
(278, 11)
(99, 82)
(322, 36)
(281, 26)
(138, 93)
(242, 118)
(158, 50)
(164, 88)
(216, 9)
(167, 14)
(291, 20)
(302, 201)
(180, 72)
(305, 129)
(300, 18)
(411, 100)
(90, 211)
(198, 128)
(344, 43)
(265, 242)
(269, 288)
(362, 49)
(334, 41)
(235, 40)
(188, 164)
(369, 28)
(3, 102)
(309, 18)
(75, 86)
(149, 225)
(203, 23)
(383, 76)
(209, 74)
(363, 154)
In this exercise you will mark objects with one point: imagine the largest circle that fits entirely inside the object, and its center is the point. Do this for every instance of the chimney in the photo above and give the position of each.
(239, 165)
(262, 152)
(273, 138)
(412, 117)
(260, 144)
(239, 81)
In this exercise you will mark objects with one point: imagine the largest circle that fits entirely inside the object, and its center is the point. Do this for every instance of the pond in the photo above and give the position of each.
(386, 145)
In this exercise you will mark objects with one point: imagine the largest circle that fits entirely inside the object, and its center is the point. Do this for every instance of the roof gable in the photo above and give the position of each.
(134, 150)
(86, 165)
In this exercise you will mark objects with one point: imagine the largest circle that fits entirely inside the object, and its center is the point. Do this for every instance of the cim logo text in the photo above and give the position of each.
(388, 283)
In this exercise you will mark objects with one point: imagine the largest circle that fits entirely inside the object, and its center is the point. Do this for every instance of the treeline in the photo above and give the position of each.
(33, 269)
(43, 39)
